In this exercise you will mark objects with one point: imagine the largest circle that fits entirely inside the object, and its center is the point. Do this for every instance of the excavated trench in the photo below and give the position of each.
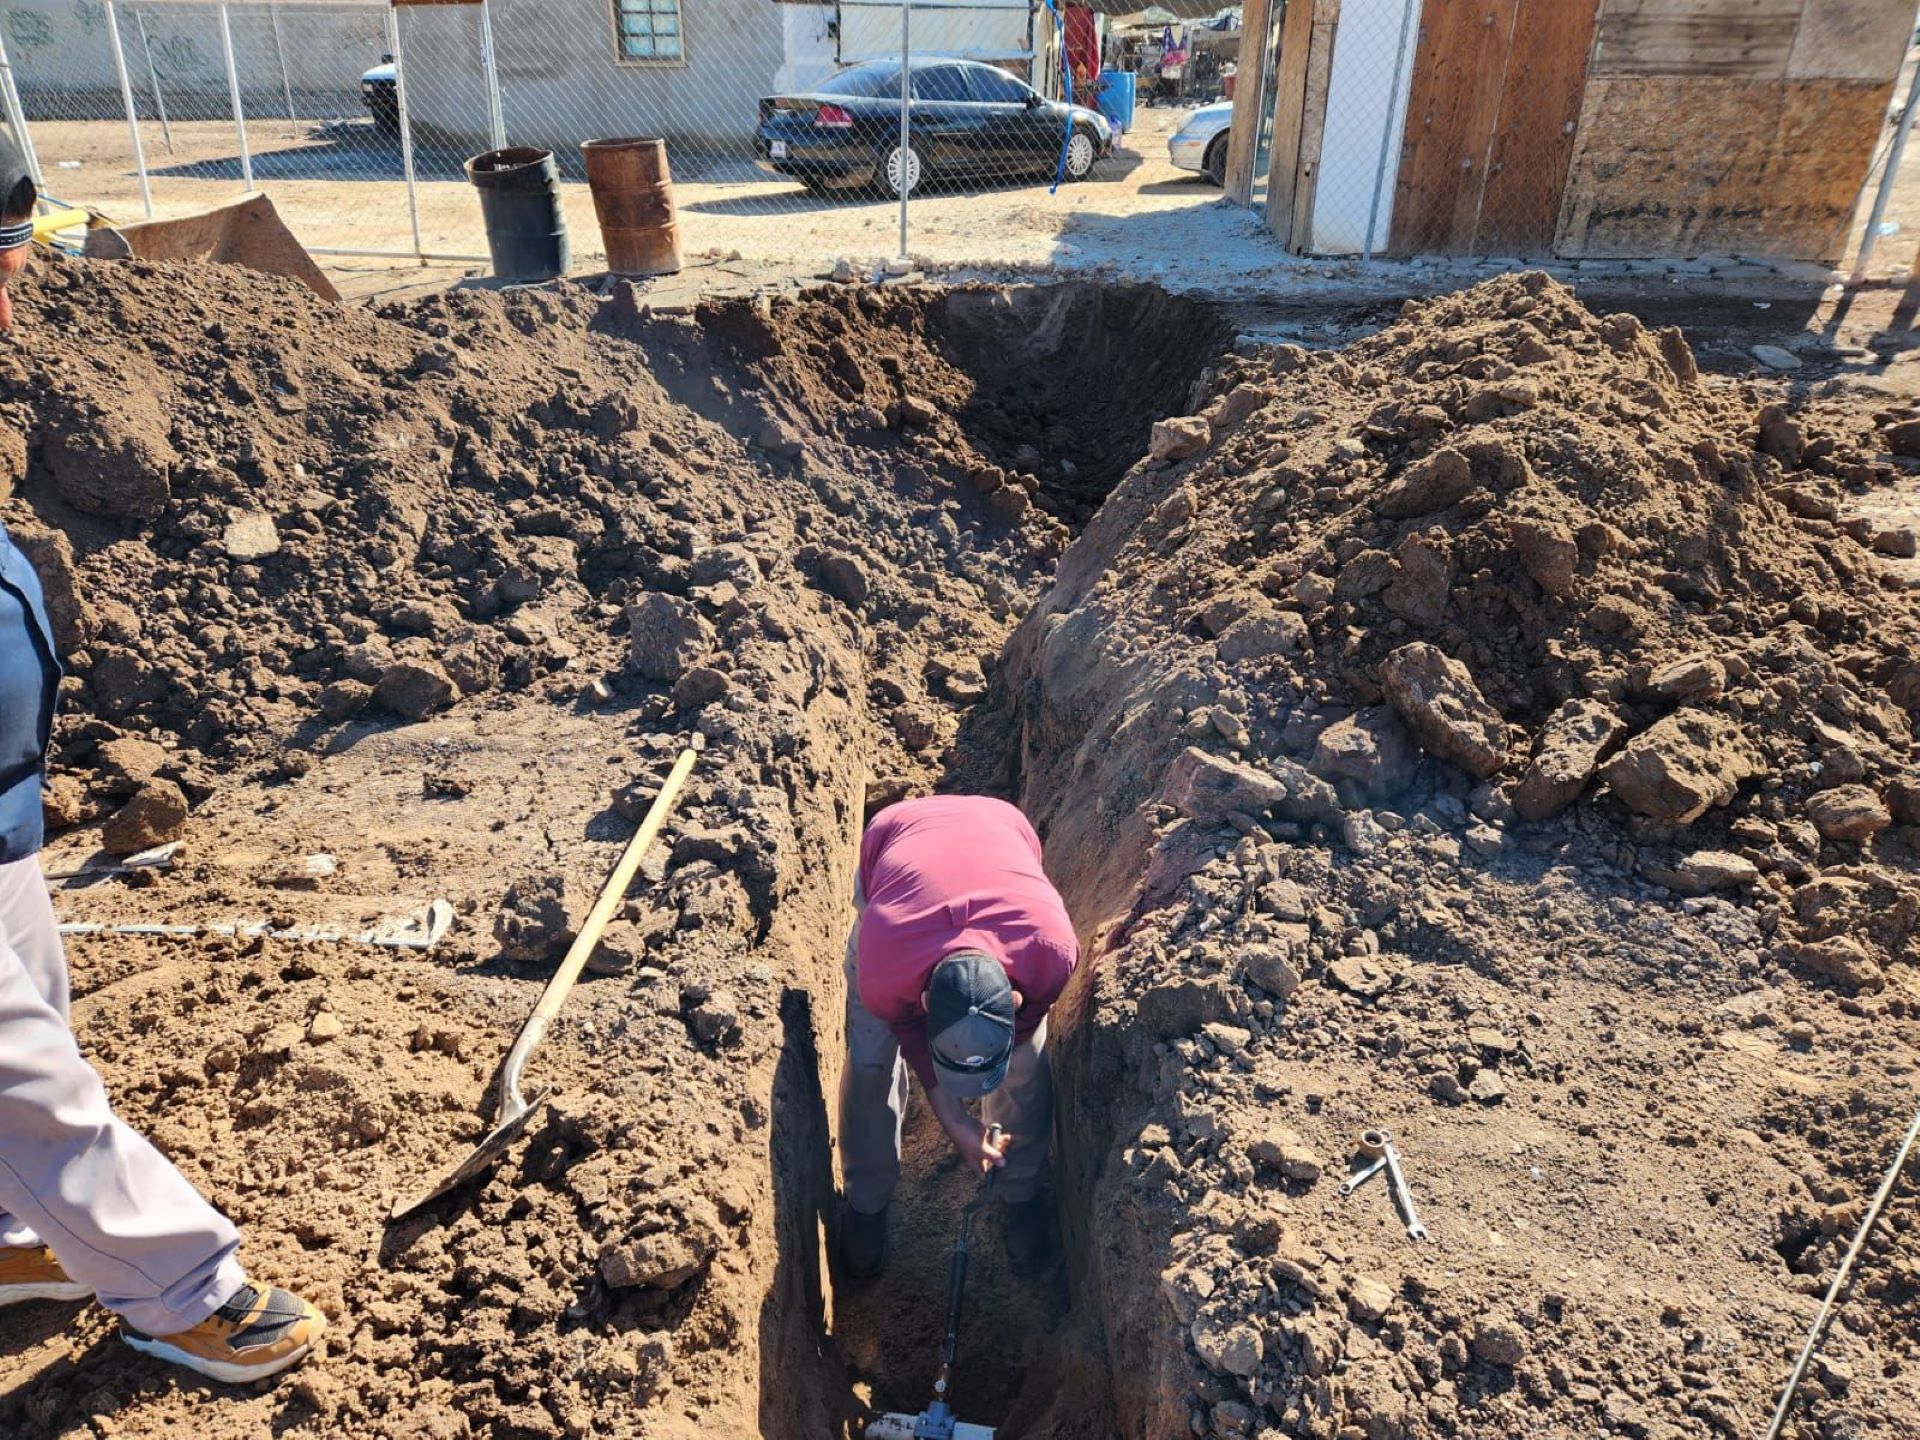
(1061, 385)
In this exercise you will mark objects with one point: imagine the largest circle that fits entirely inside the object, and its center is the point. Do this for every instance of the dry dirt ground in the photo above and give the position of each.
(1488, 726)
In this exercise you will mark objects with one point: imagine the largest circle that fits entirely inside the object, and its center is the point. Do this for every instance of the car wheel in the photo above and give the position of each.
(1216, 163)
(891, 168)
(1080, 155)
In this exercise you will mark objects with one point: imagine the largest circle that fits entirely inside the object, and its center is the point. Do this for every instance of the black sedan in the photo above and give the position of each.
(964, 119)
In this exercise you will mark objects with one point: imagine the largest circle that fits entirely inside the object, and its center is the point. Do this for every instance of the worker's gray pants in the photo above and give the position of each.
(873, 1103)
(115, 1212)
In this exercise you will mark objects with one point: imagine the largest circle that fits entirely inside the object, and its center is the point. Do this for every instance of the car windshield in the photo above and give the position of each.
(876, 82)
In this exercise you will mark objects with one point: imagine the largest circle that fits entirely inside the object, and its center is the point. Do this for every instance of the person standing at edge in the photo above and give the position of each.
(87, 1206)
(960, 947)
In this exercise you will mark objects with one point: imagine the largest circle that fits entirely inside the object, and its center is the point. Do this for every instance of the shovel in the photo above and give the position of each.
(515, 1110)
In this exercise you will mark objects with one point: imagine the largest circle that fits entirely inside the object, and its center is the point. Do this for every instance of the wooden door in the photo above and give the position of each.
(1491, 114)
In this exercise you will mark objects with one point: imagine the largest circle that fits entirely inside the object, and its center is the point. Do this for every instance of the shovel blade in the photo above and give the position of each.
(480, 1159)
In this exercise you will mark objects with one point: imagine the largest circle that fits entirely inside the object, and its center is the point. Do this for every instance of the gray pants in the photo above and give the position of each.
(873, 1102)
(115, 1212)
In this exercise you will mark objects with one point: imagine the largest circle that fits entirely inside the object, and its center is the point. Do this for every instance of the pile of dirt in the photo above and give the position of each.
(1489, 731)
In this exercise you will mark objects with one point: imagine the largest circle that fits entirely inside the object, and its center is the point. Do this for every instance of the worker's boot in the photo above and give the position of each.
(1027, 1227)
(863, 1244)
(255, 1334)
(29, 1272)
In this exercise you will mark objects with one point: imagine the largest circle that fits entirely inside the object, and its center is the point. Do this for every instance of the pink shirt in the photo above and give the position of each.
(949, 873)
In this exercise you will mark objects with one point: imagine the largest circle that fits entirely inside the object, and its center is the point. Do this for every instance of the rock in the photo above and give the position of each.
(1488, 1088)
(1573, 742)
(1498, 1341)
(1183, 1008)
(414, 689)
(1178, 438)
(1441, 479)
(1549, 553)
(917, 411)
(50, 554)
(699, 686)
(1436, 696)
(323, 1027)
(1228, 1349)
(1705, 872)
(845, 580)
(776, 437)
(156, 814)
(122, 765)
(715, 1019)
(1271, 969)
(1268, 632)
(1903, 800)
(664, 1260)
(1904, 438)
(250, 535)
(1368, 1299)
(665, 636)
(1841, 959)
(1371, 748)
(1900, 542)
(1360, 975)
(535, 920)
(115, 468)
(343, 699)
(1697, 677)
(1848, 812)
(1423, 584)
(1774, 358)
(1681, 767)
(1445, 1086)
(1281, 1149)
(1209, 788)
(1231, 410)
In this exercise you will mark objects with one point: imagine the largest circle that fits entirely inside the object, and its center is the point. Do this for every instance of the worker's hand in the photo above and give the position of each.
(982, 1151)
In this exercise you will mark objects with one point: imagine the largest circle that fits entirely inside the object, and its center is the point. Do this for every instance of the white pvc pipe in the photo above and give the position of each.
(489, 62)
(406, 129)
(233, 89)
(126, 99)
(1887, 180)
(153, 74)
(286, 79)
(17, 118)
(906, 102)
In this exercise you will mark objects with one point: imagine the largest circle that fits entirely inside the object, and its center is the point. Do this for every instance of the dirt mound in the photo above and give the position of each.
(1467, 732)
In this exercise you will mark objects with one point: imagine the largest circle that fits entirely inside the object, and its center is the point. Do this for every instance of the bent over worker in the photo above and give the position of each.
(960, 947)
(87, 1206)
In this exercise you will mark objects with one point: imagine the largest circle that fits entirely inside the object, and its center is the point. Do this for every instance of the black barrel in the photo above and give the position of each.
(520, 203)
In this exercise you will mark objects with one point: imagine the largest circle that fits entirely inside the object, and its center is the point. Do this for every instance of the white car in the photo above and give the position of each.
(1201, 143)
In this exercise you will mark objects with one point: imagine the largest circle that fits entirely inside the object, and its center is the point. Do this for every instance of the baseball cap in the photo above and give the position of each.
(970, 1023)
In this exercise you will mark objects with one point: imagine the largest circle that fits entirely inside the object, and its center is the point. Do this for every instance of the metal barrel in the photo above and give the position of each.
(520, 203)
(633, 197)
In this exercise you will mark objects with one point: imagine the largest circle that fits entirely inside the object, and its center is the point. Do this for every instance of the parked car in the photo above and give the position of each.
(964, 119)
(1201, 143)
(380, 89)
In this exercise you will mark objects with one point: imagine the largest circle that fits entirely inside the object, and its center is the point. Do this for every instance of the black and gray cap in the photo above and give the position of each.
(970, 1023)
(17, 194)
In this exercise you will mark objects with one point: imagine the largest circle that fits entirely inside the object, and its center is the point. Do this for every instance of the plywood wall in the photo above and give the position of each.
(1729, 126)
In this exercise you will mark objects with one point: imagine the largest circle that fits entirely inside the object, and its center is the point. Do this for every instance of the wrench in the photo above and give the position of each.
(1365, 1173)
(1402, 1196)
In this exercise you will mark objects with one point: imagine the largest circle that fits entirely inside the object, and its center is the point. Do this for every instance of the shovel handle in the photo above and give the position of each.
(611, 894)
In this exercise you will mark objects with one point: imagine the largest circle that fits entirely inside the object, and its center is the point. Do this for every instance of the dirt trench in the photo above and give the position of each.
(517, 550)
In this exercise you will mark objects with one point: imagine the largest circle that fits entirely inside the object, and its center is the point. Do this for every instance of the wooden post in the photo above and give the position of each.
(1289, 107)
(1249, 88)
(1313, 121)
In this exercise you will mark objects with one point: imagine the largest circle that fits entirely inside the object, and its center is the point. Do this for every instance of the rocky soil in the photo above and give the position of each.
(1494, 730)
(1486, 732)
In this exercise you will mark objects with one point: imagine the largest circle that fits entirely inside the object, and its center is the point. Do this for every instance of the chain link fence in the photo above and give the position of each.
(783, 121)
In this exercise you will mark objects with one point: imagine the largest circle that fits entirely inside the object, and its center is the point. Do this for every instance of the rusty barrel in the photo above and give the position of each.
(633, 198)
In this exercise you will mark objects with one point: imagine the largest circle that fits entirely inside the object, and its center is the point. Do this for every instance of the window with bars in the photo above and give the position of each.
(647, 31)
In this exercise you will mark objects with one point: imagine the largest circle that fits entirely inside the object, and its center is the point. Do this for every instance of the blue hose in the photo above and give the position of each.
(1066, 75)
